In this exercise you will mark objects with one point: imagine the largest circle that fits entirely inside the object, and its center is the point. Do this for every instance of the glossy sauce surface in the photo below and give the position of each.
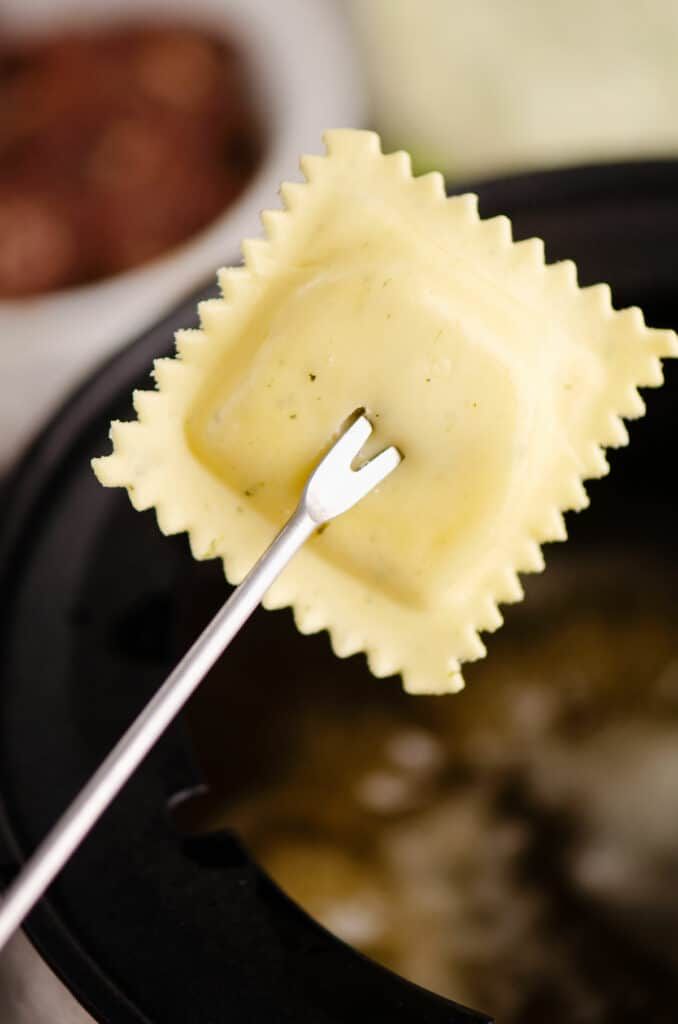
(514, 847)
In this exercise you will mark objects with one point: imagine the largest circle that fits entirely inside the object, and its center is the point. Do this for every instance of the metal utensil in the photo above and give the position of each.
(332, 488)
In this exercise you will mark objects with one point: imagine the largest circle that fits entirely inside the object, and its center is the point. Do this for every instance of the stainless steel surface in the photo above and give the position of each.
(333, 488)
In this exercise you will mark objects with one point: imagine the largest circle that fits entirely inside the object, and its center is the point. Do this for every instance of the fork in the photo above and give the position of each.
(333, 487)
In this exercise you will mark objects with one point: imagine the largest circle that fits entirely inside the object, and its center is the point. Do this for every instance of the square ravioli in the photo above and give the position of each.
(496, 376)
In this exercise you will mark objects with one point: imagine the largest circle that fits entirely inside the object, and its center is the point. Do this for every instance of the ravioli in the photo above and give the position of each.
(497, 377)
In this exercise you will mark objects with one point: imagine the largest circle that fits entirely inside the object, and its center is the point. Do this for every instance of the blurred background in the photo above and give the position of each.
(501, 848)
(495, 87)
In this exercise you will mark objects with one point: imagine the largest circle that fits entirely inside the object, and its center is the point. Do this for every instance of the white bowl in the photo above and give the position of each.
(304, 72)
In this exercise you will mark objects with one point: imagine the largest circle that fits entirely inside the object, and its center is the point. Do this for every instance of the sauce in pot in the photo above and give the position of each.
(515, 846)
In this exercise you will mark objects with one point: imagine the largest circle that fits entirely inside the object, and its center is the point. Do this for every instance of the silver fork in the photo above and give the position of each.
(333, 488)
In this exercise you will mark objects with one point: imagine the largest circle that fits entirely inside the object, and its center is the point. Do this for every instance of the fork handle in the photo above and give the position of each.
(128, 753)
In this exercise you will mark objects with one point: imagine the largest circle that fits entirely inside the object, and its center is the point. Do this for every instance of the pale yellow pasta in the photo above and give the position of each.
(497, 377)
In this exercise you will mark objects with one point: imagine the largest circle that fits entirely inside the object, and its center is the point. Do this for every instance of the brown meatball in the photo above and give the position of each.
(115, 147)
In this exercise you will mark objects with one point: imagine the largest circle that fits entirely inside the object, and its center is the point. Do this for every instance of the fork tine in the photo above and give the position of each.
(346, 448)
(350, 443)
(334, 486)
(378, 468)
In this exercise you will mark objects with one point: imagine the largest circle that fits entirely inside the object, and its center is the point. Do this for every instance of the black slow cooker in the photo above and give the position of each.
(151, 923)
